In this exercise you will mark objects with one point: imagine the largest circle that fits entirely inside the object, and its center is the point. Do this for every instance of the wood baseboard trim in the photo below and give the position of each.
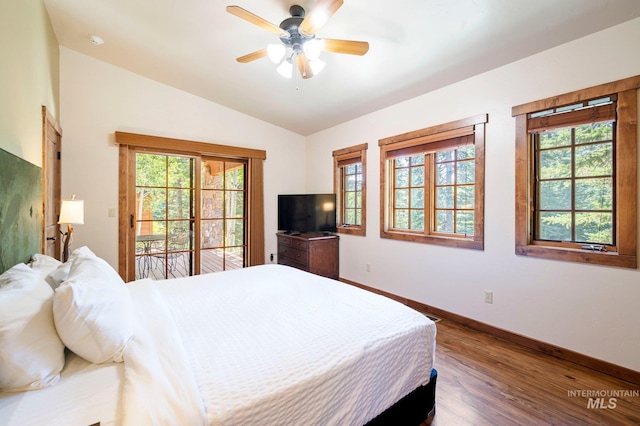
(595, 364)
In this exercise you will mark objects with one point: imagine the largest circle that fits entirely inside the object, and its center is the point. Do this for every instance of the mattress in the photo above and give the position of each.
(85, 394)
(274, 345)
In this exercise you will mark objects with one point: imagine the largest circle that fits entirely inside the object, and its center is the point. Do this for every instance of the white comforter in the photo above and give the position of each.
(269, 345)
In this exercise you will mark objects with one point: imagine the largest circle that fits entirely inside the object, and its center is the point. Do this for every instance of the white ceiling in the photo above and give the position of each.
(415, 46)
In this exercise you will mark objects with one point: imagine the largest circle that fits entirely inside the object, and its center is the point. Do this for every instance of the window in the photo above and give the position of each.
(576, 179)
(350, 166)
(454, 190)
(433, 182)
(188, 207)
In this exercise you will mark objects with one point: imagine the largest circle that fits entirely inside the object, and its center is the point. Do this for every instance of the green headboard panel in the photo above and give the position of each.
(20, 210)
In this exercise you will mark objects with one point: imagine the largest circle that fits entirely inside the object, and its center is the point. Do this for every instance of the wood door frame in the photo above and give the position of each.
(49, 188)
(255, 204)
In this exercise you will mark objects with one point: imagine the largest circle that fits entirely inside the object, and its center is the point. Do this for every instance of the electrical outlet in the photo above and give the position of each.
(368, 267)
(271, 257)
(488, 296)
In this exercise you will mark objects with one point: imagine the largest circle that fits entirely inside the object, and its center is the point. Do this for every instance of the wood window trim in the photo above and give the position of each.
(187, 146)
(255, 202)
(356, 153)
(626, 177)
(441, 136)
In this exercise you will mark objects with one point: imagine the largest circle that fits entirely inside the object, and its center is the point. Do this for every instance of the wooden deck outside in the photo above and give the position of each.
(156, 266)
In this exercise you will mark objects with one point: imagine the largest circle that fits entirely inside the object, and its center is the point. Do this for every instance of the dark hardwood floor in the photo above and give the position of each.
(483, 380)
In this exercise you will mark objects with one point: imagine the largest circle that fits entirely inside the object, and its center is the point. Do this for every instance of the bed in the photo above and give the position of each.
(268, 344)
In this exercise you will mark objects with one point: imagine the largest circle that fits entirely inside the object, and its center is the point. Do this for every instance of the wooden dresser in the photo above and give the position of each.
(315, 253)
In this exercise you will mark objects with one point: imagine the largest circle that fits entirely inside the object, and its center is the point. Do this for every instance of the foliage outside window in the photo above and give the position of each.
(164, 185)
(350, 165)
(574, 184)
(223, 213)
(576, 179)
(455, 189)
(434, 184)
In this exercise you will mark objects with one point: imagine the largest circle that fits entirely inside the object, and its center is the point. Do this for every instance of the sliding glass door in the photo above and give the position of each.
(187, 207)
(223, 218)
(165, 216)
(183, 228)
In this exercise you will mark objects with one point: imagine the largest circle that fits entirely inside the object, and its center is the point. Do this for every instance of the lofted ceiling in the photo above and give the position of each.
(415, 46)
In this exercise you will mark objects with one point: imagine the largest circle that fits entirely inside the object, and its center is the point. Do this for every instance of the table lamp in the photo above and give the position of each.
(71, 213)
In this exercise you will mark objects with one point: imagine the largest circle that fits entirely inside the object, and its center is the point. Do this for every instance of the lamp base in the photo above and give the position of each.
(67, 241)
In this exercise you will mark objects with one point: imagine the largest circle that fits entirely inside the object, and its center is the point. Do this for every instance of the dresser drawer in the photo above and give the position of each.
(293, 254)
(292, 242)
(282, 240)
(290, 262)
(299, 244)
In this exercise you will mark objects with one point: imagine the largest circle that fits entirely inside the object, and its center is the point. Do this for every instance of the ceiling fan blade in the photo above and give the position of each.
(256, 20)
(319, 15)
(252, 56)
(349, 47)
(303, 66)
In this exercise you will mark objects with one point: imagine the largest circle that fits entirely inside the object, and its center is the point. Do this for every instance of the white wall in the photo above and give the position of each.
(98, 99)
(28, 76)
(589, 309)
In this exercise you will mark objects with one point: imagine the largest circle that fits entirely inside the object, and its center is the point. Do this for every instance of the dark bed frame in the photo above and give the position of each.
(414, 409)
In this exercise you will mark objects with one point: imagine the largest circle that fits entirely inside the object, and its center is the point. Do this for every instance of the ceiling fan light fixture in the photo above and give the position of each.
(276, 52)
(300, 48)
(285, 69)
(317, 65)
(312, 48)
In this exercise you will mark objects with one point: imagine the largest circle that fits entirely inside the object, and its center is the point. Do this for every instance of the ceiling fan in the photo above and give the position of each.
(297, 35)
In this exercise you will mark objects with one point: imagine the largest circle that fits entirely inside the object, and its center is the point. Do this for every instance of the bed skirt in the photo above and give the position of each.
(414, 409)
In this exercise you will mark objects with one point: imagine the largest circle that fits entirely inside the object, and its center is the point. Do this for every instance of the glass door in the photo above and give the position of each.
(190, 215)
(223, 214)
(165, 215)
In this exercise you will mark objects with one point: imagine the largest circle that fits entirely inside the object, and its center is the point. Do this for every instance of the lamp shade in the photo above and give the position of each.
(312, 48)
(72, 212)
(285, 69)
(276, 52)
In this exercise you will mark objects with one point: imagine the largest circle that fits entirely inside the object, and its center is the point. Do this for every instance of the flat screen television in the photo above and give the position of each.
(305, 213)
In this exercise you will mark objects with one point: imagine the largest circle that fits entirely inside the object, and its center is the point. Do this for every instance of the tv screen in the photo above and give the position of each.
(303, 213)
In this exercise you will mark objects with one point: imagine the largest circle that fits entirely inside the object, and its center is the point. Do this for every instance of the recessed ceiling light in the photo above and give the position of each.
(96, 40)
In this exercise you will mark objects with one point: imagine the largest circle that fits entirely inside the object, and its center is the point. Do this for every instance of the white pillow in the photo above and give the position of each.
(31, 353)
(93, 311)
(44, 264)
(60, 274)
